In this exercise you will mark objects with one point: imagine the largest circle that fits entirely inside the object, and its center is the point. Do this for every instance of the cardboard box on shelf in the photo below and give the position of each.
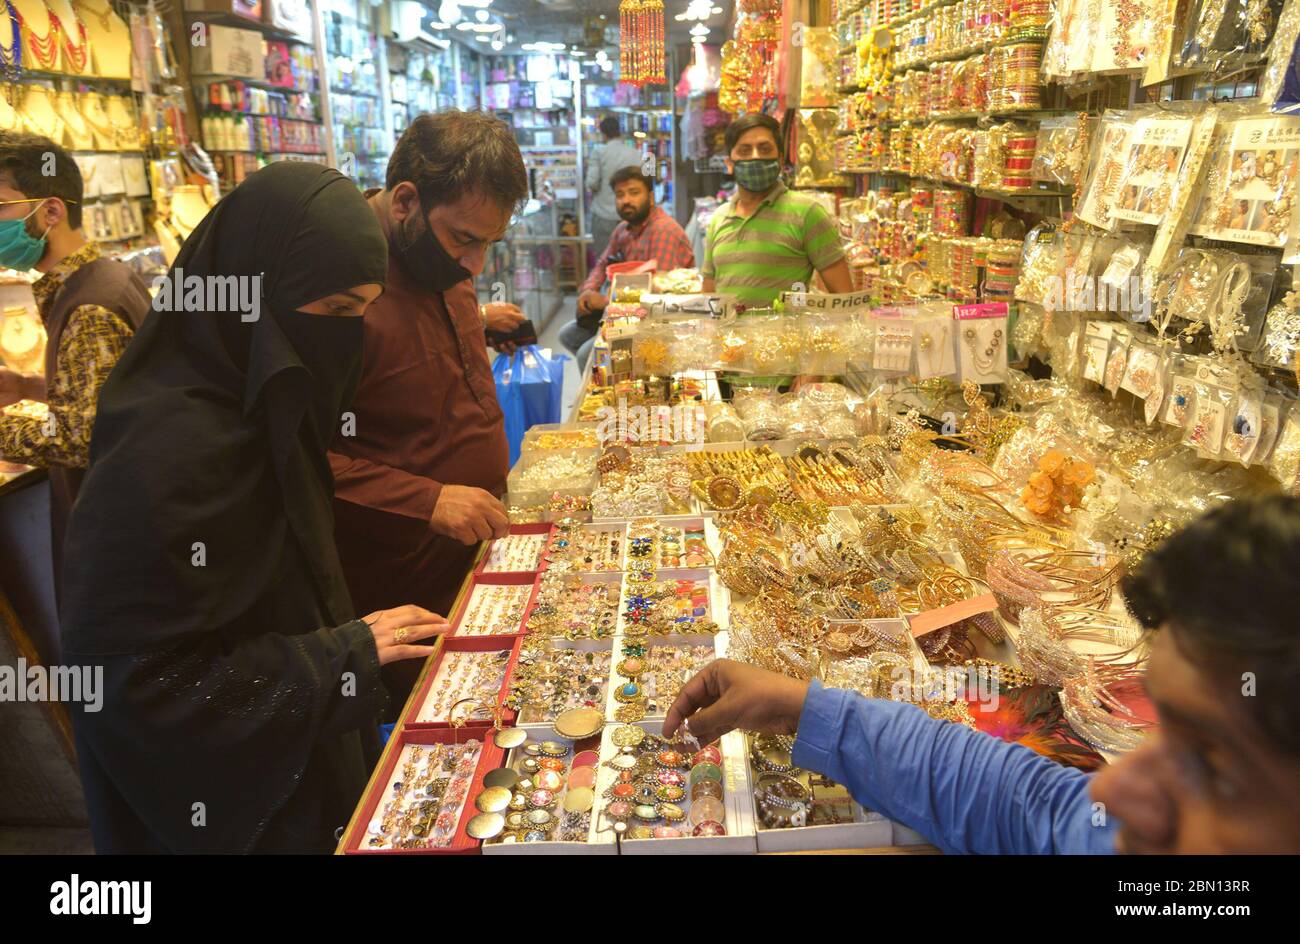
(228, 50)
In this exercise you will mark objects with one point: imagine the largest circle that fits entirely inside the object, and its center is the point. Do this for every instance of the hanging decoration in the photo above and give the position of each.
(751, 60)
(641, 42)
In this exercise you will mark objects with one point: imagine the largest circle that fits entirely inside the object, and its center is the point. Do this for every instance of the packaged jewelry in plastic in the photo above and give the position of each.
(650, 349)
(722, 423)
(694, 345)
(935, 356)
(1241, 438)
(767, 350)
(1155, 148)
(1182, 396)
(1279, 87)
(1120, 288)
(1279, 345)
(1141, 370)
(1060, 150)
(1208, 419)
(1227, 34)
(825, 346)
(1096, 350)
(1271, 413)
(757, 408)
(1285, 461)
(1041, 260)
(1154, 401)
(1116, 358)
(1249, 190)
(982, 341)
(1107, 164)
(893, 345)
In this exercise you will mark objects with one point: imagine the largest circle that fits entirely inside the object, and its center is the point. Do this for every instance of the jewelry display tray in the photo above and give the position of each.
(599, 841)
(490, 580)
(490, 758)
(450, 646)
(538, 528)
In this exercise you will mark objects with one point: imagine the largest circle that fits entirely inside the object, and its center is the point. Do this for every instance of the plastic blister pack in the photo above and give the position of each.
(1222, 35)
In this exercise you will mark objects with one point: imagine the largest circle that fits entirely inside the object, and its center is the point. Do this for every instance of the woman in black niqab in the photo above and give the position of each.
(240, 696)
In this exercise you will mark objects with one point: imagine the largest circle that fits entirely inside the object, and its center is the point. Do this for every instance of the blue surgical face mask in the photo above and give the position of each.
(19, 249)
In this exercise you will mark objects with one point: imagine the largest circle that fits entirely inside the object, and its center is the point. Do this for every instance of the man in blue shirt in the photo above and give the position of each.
(1220, 775)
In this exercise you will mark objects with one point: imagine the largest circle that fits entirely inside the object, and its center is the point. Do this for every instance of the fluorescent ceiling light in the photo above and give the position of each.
(481, 15)
(485, 27)
(699, 29)
(481, 38)
(498, 45)
(439, 25)
(464, 26)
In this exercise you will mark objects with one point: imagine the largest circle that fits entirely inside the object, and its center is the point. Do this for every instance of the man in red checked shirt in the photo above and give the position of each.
(646, 233)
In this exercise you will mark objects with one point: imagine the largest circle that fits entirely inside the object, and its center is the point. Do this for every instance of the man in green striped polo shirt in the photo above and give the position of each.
(768, 239)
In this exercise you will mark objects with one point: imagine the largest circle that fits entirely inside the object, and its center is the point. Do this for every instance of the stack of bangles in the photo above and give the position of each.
(761, 749)
(782, 801)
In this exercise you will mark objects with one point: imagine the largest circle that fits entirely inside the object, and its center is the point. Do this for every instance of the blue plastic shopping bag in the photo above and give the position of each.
(530, 388)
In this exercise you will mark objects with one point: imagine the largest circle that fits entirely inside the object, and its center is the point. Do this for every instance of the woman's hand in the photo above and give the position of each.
(394, 631)
(726, 695)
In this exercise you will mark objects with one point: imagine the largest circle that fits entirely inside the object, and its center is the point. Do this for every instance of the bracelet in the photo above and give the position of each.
(782, 800)
(758, 756)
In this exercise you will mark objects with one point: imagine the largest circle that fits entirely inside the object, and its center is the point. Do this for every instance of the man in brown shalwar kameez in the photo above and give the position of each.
(419, 478)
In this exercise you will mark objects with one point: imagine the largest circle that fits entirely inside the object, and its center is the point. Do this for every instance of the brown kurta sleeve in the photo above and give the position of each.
(392, 504)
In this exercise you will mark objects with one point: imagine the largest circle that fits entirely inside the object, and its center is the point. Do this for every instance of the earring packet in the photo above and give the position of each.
(1117, 359)
(1241, 438)
(1208, 418)
(1182, 396)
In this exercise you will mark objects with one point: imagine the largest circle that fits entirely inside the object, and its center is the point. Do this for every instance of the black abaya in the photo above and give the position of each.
(240, 694)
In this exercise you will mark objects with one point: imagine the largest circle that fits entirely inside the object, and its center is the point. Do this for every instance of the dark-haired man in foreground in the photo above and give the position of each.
(1220, 775)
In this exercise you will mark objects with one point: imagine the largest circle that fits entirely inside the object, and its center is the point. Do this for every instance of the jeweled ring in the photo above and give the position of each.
(400, 634)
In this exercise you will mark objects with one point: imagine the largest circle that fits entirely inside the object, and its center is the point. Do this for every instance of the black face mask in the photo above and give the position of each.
(427, 262)
(330, 347)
